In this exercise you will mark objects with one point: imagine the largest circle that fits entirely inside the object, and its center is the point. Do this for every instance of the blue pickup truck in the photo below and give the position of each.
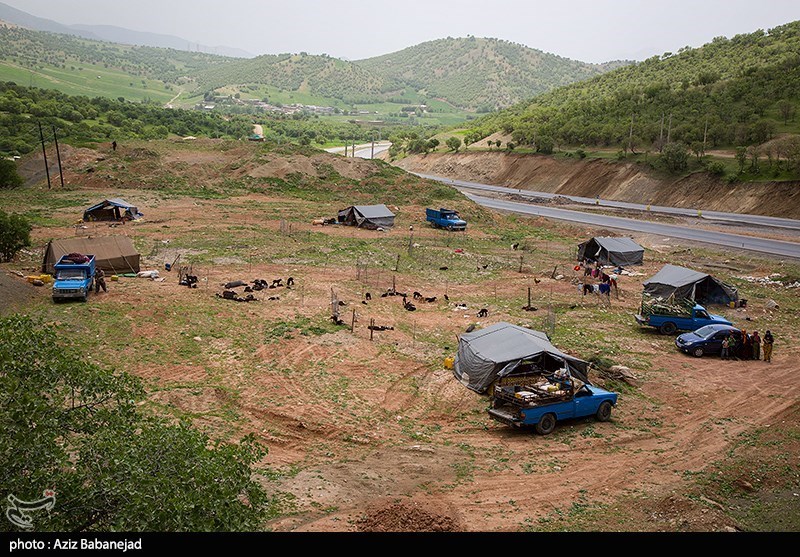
(73, 277)
(445, 218)
(542, 405)
(670, 323)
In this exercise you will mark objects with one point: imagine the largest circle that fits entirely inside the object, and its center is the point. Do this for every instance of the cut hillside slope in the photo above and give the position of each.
(611, 180)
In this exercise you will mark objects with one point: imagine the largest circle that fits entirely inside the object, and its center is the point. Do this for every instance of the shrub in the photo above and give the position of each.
(15, 234)
(8, 175)
(716, 168)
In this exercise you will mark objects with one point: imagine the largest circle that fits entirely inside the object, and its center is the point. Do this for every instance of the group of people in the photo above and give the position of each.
(749, 347)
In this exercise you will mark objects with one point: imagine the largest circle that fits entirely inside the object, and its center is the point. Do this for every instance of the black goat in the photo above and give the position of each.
(289, 282)
(483, 313)
(368, 297)
(417, 296)
(430, 300)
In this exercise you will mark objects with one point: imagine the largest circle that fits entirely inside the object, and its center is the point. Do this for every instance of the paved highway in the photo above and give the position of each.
(758, 220)
(735, 241)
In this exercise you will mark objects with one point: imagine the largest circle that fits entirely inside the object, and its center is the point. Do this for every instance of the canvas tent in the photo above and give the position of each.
(613, 251)
(367, 216)
(112, 210)
(113, 254)
(686, 284)
(503, 349)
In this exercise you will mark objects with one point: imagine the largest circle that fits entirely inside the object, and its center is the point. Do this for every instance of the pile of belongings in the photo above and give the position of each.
(77, 258)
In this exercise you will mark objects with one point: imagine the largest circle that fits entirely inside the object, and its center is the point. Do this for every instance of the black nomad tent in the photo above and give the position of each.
(612, 251)
(112, 210)
(686, 284)
(367, 216)
(505, 350)
(113, 254)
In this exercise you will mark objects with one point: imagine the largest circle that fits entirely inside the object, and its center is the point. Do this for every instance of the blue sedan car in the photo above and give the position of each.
(707, 340)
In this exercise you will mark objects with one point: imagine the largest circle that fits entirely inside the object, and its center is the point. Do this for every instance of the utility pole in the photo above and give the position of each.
(58, 154)
(44, 153)
(345, 150)
(669, 127)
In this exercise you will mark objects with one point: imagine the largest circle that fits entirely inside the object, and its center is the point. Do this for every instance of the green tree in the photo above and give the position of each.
(545, 145)
(15, 234)
(675, 157)
(787, 110)
(741, 158)
(72, 426)
(8, 174)
(453, 143)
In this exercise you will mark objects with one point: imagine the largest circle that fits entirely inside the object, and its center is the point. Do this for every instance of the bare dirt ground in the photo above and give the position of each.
(375, 435)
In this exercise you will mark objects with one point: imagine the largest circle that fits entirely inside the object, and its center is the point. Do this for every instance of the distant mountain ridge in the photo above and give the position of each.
(111, 33)
(481, 73)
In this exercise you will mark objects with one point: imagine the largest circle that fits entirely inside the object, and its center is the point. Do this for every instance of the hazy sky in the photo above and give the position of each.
(588, 30)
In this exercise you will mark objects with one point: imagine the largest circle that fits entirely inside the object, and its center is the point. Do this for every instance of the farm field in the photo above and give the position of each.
(371, 432)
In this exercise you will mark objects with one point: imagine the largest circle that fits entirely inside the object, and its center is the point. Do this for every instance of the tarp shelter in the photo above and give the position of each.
(500, 350)
(367, 216)
(112, 210)
(686, 284)
(612, 251)
(113, 254)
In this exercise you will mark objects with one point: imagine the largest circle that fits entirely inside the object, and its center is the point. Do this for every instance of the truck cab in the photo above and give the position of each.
(445, 218)
(669, 323)
(73, 277)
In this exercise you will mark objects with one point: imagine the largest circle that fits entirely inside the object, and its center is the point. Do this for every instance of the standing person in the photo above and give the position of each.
(745, 349)
(768, 342)
(724, 353)
(732, 347)
(100, 281)
(113, 145)
(756, 339)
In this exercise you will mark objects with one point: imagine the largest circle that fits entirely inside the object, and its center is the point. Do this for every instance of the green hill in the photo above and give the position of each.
(731, 92)
(480, 73)
(319, 75)
(84, 67)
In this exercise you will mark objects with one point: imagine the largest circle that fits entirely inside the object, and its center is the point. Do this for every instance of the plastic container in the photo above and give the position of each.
(449, 362)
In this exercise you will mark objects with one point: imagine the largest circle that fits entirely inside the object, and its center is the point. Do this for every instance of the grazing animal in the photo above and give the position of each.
(446, 298)
(341, 303)
(470, 328)
(273, 298)
(483, 313)
(368, 297)
(385, 294)
(461, 306)
(289, 282)
(337, 320)
(443, 268)
(530, 308)
(515, 247)
(417, 295)
(277, 282)
(248, 289)
(380, 328)
(235, 284)
(537, 281)
(482, 267)
(431, 299)
(410, 307)
(364, 302)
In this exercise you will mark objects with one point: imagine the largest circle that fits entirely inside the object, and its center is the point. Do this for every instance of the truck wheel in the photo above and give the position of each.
(604, 412)
(546, 425)
(668, 328)
(698, 352)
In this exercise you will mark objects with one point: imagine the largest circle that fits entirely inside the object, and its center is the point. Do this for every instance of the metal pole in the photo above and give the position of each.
(58, 154)
(44, 153)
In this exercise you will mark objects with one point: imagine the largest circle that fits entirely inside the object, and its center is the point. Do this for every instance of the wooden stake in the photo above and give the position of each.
(353, 322)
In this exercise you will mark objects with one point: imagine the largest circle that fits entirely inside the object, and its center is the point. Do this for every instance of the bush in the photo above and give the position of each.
(581, 154)
(15, 234)
(8, 175)
(675, 157)
(716, 168)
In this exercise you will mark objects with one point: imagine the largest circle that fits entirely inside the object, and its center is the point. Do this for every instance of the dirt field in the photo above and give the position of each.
(375, 435)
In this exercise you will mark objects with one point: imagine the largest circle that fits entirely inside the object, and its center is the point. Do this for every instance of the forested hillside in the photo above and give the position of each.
(321, 75)
(731, 92)
(480, 73)
(36, 50)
